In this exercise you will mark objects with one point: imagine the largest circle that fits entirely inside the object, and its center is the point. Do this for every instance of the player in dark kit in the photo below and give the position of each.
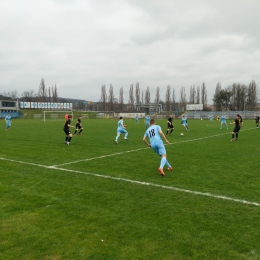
(66, 129)
(257, 121)
(78, 126)
(238, 124)
(170, 126)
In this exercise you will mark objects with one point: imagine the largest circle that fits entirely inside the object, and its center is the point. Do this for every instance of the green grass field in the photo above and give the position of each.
(98, 200)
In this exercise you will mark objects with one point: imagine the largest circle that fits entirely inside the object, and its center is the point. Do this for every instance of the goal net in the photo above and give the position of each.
(52, 114)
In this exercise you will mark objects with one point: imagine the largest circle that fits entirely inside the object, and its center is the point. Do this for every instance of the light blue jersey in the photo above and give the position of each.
(184, 121)
(147, 120)
(223, 119)
(155, 139)
(8, 121)
(137, 119)
(120, 126)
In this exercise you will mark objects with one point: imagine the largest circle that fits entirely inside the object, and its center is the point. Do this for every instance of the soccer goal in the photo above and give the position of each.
(55, 114)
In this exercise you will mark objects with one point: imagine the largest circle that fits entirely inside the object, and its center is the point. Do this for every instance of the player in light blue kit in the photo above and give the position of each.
(211, 118)
(223, 121)
(8, 120)
(121, 129)
(136, 119)
(154, 133)
(147, 121)
(184, 122)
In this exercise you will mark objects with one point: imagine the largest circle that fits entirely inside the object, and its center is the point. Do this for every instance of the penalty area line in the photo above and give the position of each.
(207, 194)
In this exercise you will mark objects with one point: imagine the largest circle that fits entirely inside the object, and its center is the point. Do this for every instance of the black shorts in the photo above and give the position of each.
(78, 126)
(67, 131)
(236, 129)
(170, 125)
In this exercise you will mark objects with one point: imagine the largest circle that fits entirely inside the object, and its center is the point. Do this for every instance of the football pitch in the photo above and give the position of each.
(98, 200)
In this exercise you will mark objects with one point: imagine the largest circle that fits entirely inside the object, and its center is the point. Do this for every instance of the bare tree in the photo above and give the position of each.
(192, 94)
(203, 95)
(54, 94)
(252, 95)
(147, 96)
(28, 96)
(183, 97)
(173, 100)
(142, 96)
(137, 93)
(103, 98)
(217, 91)
(121, 99)
(157, 96)
(49, 94)
(131, 101)
(111, 98)
(42, 93)
(233, 90)
(168, 98)
(198, 95)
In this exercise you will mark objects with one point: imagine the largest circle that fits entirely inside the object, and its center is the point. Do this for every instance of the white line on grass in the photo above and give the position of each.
(131, 151)
(141, 183)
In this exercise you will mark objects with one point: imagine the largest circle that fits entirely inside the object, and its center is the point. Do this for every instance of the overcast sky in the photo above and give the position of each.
(79, 45)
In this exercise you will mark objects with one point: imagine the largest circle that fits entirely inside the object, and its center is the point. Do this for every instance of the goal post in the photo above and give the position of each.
(55, 114)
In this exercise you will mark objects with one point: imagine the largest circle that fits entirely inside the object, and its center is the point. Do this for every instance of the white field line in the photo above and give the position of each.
(142, 183)
(131, 151)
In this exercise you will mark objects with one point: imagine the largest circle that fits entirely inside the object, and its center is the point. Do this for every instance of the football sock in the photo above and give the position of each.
(163, 161)
(171, 131)
(126, 135)
(167, 164)
(167, 132)
(117, 138)
(80, 131)
(236, 136)
(233, 136)
(66, 139)
(69, 139)
(75, 132)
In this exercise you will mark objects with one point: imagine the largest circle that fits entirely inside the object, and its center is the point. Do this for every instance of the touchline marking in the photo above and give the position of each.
(130, 151)
(207, 194)
(99, 157)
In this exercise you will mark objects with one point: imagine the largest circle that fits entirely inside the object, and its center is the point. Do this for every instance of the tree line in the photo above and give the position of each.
(44, 94)
(236, 97)
(136, 95)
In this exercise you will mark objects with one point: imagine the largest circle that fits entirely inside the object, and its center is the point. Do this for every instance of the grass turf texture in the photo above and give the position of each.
(108, 201)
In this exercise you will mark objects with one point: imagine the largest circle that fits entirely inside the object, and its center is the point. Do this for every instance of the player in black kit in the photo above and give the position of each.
(66, 129)
(78, 126)
(257, 121)
(238, 124)
(170, 126)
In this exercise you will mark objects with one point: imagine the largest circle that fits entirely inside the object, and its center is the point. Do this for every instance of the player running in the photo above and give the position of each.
(79, 126)
(8, 120)
(137, 119)
(147, 121)
(238, 124)
(121, 129)
(66, 129)
(257, 121)
(154, 133)
(170, 126)
(223, 121)
(184, 122)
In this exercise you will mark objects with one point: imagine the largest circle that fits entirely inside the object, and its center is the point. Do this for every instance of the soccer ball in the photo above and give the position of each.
(182, 134)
